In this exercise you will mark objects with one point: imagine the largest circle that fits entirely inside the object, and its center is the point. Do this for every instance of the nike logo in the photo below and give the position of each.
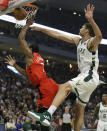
(46, 117)
(78, 83)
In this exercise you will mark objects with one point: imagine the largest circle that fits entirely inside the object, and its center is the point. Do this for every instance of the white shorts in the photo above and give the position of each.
(83, 85)
(102, 126)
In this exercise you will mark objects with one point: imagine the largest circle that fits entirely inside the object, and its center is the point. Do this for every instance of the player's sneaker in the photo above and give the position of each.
(44, 118)
(33, 115)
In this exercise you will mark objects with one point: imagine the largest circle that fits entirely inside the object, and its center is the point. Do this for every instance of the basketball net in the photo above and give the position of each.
(31, 11)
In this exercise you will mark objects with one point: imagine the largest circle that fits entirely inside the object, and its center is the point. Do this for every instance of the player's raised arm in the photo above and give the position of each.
(27, 51)
(12, 62)
(58, 35)
(98, 35)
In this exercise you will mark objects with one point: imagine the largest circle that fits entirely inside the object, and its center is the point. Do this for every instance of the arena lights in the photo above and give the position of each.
(74, 13)
(13, 20)
(60, 9)
(70, 66)
(47, 61)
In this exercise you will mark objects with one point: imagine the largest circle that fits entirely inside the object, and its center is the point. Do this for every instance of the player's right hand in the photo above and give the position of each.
(10, 60)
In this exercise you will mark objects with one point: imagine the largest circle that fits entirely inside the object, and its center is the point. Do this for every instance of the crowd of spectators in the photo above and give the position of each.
(17, 96)
(13, 104)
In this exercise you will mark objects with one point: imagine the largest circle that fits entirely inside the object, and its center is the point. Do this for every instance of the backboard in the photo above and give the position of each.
(15, 4)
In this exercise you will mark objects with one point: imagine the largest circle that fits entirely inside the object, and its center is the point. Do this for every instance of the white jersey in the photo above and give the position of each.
(66, 118)
(88, 79)
(88, 62)
(103, 113)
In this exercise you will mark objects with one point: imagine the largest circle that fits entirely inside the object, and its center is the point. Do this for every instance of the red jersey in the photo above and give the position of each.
(35, 71)
(47, 88)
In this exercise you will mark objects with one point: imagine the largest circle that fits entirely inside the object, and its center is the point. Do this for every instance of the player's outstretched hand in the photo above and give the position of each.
(10, 60)
(30, 21)
(89, 11)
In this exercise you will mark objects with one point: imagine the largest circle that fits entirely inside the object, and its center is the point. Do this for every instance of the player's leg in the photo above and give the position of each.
(64, 90)
(83, 91)
(62, 93)
(41, 110)
(79, 117)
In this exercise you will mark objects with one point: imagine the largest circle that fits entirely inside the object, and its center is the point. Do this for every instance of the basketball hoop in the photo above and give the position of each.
(31, 11)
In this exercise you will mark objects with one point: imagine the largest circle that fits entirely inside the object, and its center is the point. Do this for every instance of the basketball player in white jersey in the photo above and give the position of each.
(88, 79)
(101, 109)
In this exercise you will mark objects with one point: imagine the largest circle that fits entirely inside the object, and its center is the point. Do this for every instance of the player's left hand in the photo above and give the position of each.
(10, 60)
(89, 12)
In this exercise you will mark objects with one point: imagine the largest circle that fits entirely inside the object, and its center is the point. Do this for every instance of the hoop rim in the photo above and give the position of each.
(31, 5)
(31, 10)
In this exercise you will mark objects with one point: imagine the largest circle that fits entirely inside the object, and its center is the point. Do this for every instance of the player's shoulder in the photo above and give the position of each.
(77, 40)
(36, 55)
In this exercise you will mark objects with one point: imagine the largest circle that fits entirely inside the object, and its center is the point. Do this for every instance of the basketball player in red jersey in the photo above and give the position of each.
(47, 88)
(35, 69)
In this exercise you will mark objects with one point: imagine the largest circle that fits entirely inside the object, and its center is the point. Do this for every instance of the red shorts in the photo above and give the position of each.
(48, 89)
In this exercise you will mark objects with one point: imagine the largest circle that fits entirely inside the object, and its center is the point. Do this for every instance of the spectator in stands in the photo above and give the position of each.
(19, 124)
(10, 125)
(53, 126)
(60, 124)
(66, 126)
(27, 125)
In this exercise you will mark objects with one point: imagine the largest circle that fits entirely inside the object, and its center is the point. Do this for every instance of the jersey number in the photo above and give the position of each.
(104, 115)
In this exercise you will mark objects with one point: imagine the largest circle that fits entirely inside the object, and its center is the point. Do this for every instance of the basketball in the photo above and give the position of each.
(19, 13)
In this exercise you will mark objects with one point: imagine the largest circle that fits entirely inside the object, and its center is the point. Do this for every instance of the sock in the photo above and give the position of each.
(52, 109)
